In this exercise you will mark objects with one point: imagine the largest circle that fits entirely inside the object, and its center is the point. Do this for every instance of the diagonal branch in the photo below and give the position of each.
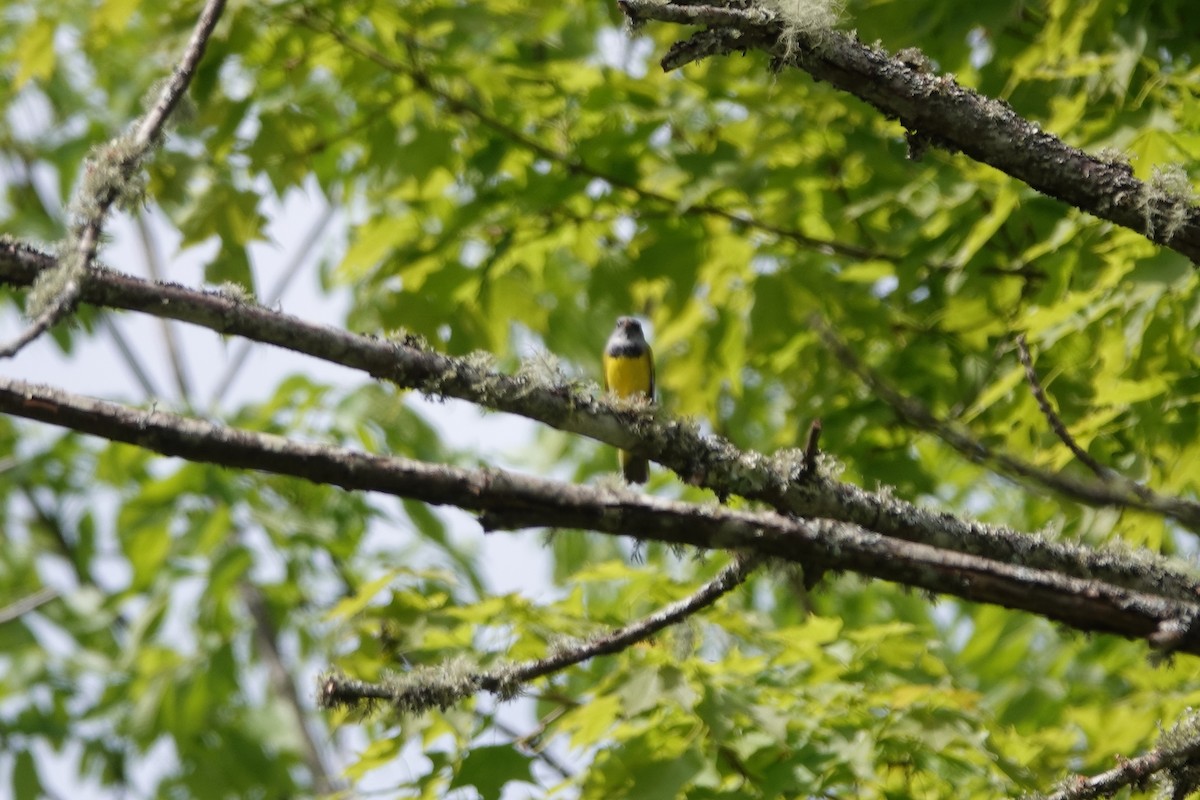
(266, 637)
(526, 745)
(28, 604)
(1169, 756)
(175, 357)
(1115, 492)
(1056, 423)
(140, 373)
(107, 180)
(444, 685)
(509, 500)
(941, 111)
(781, 480)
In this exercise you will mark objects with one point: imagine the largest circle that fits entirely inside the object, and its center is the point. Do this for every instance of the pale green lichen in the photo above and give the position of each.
(111, 174)
(1115, 156)
(1183, 736)
(407, 338)
(543, 369)
(1169, 200)
(235, 292)
(51, 285)
(829, 466)
(439, 686)
(479, 360)
(809, 20)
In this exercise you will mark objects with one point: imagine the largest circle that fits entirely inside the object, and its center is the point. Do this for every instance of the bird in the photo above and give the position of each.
(629, 372)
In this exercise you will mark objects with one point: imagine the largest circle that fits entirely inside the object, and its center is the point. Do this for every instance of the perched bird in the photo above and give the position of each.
(629, 372)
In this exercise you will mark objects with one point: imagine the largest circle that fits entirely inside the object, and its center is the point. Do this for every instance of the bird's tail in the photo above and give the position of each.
(635, 468)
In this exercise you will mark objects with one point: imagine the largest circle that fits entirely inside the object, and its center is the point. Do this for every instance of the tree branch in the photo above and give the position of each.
(446, 684)
(1056, 423)
(942, 112)
(266, 637)
(525, 743)
(27, 604)
(107, 180)
(1169, 756)
(154, 268)
(514, 501)
(1116, 492)
(780, 480)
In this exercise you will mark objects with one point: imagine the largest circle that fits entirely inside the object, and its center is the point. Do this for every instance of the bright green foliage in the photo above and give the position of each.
(515, 176)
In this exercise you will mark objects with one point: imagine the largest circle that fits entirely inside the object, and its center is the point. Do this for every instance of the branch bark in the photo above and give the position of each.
(938, 109)
(1136, 772)
(108, 179)
(1114, 491)
(781, 480)
(510, 501)
(28, 604)
(444, 685)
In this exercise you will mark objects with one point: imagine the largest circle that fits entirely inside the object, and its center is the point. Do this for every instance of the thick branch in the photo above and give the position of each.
(708, 461)
(512, 501)
(937, 108)
(443, 686)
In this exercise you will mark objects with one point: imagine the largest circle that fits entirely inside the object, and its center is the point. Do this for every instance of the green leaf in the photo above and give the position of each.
(867, 272)
(355, 604)
(147, 543)
(666, 778)
(489, 768)
(588, 723)
(35, 54)
(26, 783)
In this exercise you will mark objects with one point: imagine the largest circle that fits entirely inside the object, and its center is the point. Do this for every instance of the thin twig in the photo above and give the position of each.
(1115, 492)
(1056, 423)
(54, 528)
(66, 549)
(267, 637)
(53, 312)
(140, 374)
(571, 162)
(299, 258)
(812, 447)
(418, 691)
(526, 744)
(27, 604)
(154, 267)
(125, 154)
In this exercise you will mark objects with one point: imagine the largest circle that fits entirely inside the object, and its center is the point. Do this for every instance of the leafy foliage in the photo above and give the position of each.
(515, 176)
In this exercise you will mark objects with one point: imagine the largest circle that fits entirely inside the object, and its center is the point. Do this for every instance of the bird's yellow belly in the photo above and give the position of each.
(627, 376)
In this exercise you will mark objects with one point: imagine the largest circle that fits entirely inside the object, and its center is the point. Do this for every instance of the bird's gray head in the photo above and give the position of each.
(629, 328)
(627, 338)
